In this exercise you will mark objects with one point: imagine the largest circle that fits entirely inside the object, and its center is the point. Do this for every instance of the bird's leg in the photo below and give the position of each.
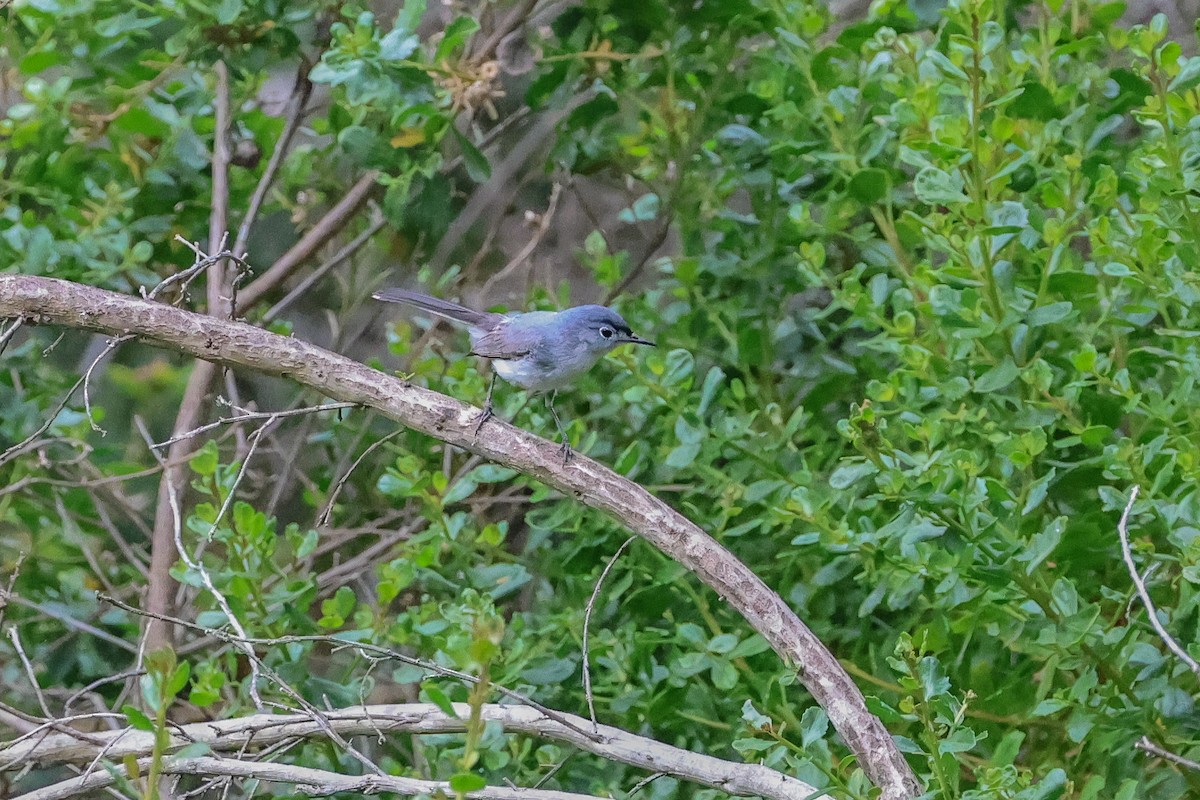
(566, 443)
(486, 414)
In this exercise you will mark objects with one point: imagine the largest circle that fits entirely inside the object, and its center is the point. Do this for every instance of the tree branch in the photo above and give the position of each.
(308, 781)
(233, 735)
(445, 418)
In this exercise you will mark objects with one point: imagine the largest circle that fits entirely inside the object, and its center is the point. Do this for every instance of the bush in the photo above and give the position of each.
(929, 316)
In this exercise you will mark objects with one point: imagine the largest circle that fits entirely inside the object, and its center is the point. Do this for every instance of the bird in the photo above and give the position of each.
(538, 351)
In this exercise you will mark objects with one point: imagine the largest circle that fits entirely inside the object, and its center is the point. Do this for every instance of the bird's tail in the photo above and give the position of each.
(443, 308)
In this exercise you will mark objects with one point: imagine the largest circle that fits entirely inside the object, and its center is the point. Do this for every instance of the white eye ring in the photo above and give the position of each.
(607, 333)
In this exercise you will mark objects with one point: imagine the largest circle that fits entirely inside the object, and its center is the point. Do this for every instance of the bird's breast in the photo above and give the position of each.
(538, 373)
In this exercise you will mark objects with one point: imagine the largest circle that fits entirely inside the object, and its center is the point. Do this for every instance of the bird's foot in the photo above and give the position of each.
(566, 452)
(484, 416)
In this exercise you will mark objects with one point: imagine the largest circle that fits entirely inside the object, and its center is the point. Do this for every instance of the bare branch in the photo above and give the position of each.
(233, 735)
(301, 91)
(326, 228)
(29, 673)
(267, 415)
(1145, 745)
(308, 780)
(219, 300)
(451, 421)
(543, 227)
(377, 222)
(1151, 611)
(6, 337)
(337, 487)
(587, 621)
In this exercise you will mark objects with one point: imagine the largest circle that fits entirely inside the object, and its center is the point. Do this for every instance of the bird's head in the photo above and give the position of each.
(601, 329)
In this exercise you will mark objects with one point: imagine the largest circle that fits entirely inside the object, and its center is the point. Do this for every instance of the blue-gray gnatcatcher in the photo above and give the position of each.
(539, 351)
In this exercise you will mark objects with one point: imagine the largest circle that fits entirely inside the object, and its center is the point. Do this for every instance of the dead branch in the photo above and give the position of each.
(307, 780)
(238, 344)
(231, 735)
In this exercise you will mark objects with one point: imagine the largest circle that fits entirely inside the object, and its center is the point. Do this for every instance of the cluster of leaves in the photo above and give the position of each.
(932, 314)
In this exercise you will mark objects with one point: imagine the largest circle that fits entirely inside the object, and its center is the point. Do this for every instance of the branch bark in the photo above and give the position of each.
(261, 730)
(238, 344)
(310, 781)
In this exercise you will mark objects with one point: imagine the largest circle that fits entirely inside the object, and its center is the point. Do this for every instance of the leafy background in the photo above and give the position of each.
(925, 291)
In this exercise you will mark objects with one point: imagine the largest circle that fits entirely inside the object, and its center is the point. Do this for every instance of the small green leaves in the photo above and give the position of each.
(938, 187)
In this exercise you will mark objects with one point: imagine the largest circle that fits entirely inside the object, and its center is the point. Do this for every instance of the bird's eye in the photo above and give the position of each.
(607, 333)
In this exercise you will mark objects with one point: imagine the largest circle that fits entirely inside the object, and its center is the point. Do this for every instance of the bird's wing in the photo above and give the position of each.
(484, 320)
(505, 341)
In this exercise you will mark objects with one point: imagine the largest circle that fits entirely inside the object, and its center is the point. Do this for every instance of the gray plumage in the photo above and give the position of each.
(539, 351)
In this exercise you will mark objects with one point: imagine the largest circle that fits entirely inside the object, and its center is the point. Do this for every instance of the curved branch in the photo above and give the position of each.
(308, 780)
(235, 735)
(239, 344)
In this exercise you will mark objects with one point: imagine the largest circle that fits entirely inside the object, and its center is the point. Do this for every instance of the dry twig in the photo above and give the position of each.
(233, 735)
(1140, 585)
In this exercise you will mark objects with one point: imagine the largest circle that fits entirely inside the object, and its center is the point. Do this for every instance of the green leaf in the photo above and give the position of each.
(204, 462)
(1049, 314)
(723, 643)
(1042, 545)
(847, 475)
(179, 678)
(1188, 77)
(754, 718)
(960, 741)
(997, 377)
(939, 188)
(137, 719)
(813, 725)
(473, 158)
(398, 45)
(933, 678)
(1037, 492)
(467, 782)
(869, 186)
(439, 699)
(455, 37)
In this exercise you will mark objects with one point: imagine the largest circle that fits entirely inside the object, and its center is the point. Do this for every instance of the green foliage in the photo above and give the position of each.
(931, 312)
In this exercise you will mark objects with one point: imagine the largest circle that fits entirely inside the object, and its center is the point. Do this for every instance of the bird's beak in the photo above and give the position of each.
(631, 339)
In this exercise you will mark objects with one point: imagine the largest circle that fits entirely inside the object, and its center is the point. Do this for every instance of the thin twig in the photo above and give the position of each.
(543, 227)
(377, 222)
(1148, 746)
(363, 647)
(29, 671)
(301, 91)
(21, 446)
(198, 568)
(6, 595)
(249, 416)
(113, 344)
(71, 622)
(1151, 611)
(643, 783)
(323, 520)
(218, 217)
(587, 621)
(6, 337)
